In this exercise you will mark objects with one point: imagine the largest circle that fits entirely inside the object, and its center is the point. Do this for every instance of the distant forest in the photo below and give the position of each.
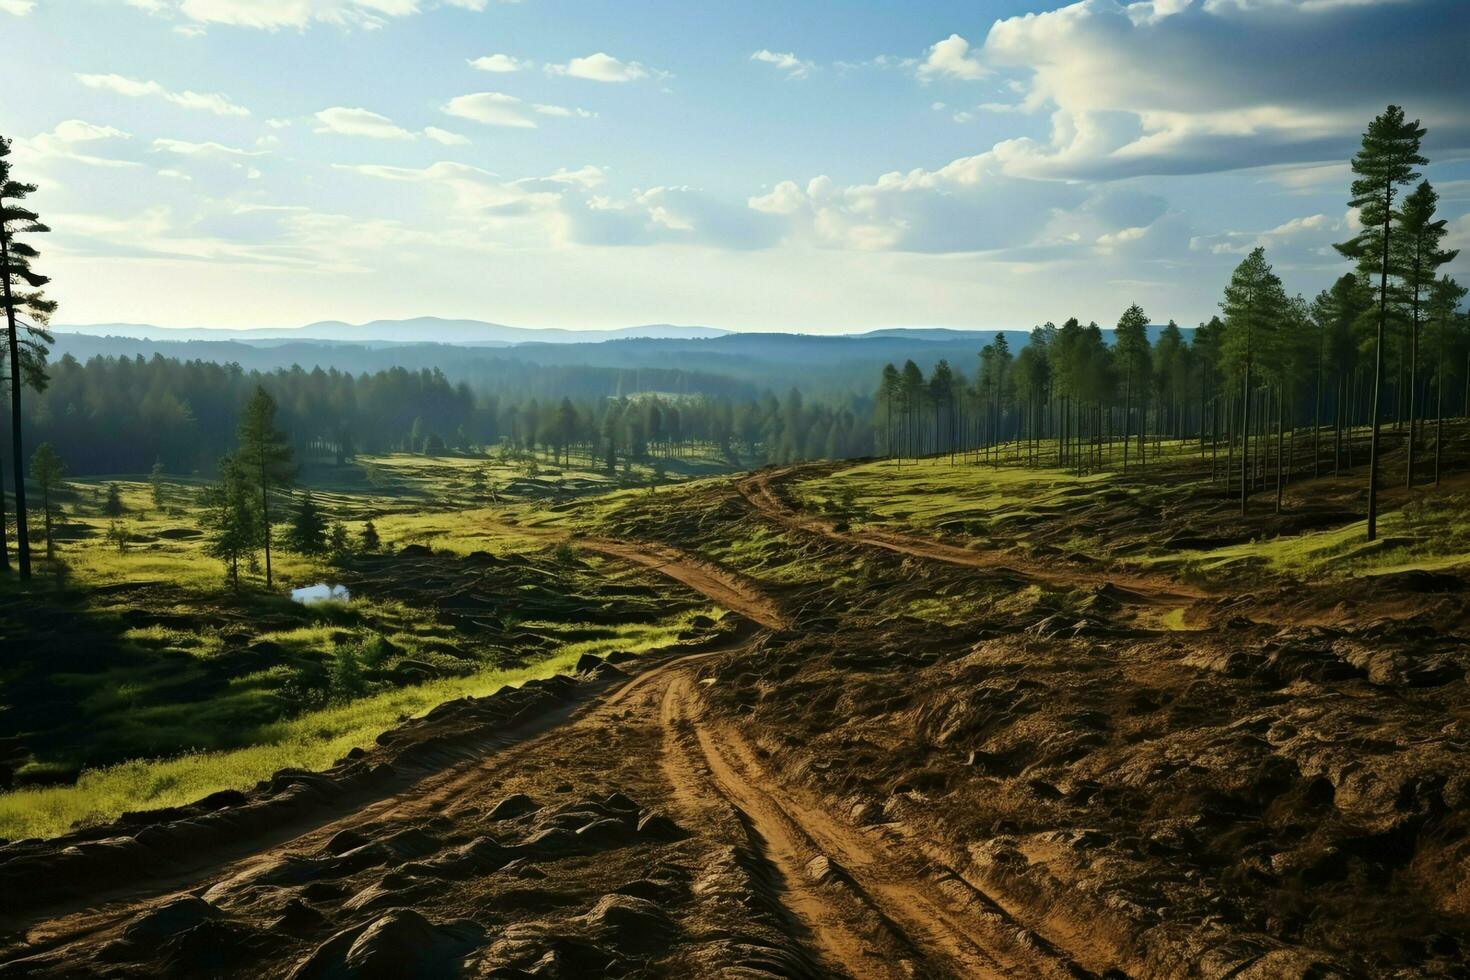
(123, 414)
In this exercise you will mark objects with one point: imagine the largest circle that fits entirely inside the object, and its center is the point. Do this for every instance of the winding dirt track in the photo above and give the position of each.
(725, 588)
(760, 492)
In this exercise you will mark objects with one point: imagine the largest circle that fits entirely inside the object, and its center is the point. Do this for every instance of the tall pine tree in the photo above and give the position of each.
(1418, 260)
(232, 517)
(1444, 302)
(266, 458)
(27, 311)
(1253, 306)
(1385, 163)
(1131, 347)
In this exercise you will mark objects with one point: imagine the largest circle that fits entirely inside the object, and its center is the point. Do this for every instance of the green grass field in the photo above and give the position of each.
(973, 502)
(312, 740)
(170, 713)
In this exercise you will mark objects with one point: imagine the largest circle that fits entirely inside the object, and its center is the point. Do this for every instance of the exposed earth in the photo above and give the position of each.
(899, 756)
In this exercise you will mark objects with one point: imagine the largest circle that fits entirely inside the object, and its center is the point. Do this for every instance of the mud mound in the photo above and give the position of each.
(398, 944)
(1280, 802)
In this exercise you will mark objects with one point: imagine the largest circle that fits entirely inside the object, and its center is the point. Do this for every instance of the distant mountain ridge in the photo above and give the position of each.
(483, 334)
(416, 330)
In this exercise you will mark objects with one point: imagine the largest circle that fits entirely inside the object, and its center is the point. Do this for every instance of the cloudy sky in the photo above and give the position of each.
(821, 165)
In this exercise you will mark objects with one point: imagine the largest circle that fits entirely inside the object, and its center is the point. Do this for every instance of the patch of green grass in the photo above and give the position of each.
(313, 740)
(925, 495)
(1431, 532)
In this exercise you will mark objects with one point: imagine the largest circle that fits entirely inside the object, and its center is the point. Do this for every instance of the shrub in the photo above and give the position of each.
(346, 673)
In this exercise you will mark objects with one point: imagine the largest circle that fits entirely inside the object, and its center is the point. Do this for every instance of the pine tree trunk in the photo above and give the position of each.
(1280, 407)
(1439, 403)
(1245, 430)
(1413, 375)
(1142, 429)
(265, 516)
(1229, 445)
(4, 541)
(22, 538)
(1378, 371)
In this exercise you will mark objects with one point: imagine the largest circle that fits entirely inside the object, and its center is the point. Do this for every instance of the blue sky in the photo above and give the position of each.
(823, 166)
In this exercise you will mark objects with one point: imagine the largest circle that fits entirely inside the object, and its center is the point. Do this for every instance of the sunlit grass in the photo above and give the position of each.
(313, 740)
(1431, 533)
(923, 495)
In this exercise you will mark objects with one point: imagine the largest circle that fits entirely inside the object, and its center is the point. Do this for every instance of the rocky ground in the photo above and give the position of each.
(913, 760)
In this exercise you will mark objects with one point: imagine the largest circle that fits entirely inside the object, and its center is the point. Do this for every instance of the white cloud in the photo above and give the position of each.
(134, 89)
(273, 15)
(1458, 236)
(586, 177)
(17, 7)
(445, 137)
(1155, 88)
(360, 122)
(490, 108)
(502, 63)
(562, 111)
(1295, 242)
(63, 142)
(276, 14)
(968, 205)
(500, 109)
(786, 61)
(951, 58)
(603, 67)
(566, 208)
(210, 149)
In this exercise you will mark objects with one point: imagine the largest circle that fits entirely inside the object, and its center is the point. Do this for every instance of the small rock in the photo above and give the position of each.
(516, 805)
(154, 926)
(344, 841)
(656, 826)
(297, 916)
(820, 868)
(401, 943)
(617, 801)
(631, 923)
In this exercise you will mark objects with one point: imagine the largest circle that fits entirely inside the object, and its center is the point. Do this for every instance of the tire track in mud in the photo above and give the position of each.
(872, 913)
(758, 491)
(731, 590)
(868, 910)
(719, 585)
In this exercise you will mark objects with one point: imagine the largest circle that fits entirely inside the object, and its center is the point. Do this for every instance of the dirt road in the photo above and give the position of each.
(846, 900)
(721, 586)
(761, 491)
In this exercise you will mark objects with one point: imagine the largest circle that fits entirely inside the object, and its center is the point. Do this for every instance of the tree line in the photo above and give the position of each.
(121, 415)
(1386, 342)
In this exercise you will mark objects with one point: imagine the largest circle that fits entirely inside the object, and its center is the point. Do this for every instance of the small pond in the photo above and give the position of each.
(321, 592)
